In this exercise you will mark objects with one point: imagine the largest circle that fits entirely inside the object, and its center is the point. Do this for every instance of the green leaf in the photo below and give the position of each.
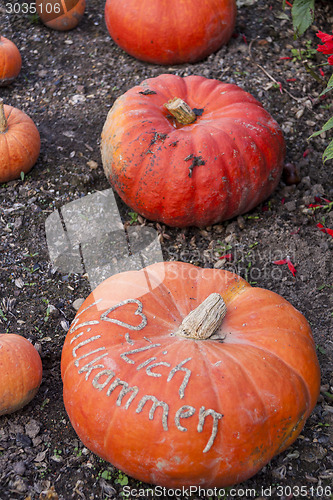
(22, 176)
(329, 87)
(122, 479)
(330, 82)
(134, 217)
(328, 153)
(303, 14)
(282, 15)
(106, 474)
(328, 125)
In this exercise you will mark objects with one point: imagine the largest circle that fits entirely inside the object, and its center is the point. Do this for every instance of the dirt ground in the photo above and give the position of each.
(67, 84)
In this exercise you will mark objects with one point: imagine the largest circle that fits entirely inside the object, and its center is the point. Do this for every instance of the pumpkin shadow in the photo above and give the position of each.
(87, 236)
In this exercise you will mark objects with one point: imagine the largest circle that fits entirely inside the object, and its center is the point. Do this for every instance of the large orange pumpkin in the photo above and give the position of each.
(19, 143)
(170, 31)
(20, 372)
(10, 61)
(200, 167)
(61, 15)
(146, 390)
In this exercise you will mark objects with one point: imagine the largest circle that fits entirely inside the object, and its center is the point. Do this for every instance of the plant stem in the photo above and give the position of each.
(204, 320)
(181, 111)
(3, 121)
(312, 73)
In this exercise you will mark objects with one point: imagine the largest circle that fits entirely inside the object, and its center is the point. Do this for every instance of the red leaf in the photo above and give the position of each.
(318, 200)
(325, 229)
(228, 257)
(291, 267)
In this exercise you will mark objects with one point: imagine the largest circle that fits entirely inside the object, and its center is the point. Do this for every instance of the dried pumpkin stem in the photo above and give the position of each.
(3, 121)
(181, 111)
(204, 320)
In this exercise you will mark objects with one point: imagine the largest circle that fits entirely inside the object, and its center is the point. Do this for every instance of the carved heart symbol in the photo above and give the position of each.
(138, 312)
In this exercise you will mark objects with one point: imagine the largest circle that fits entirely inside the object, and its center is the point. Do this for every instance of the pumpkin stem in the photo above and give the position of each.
(204, 320)
(3, 121)
(181, 111)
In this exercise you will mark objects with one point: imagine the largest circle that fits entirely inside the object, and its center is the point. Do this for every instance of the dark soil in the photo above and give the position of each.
(67, 84)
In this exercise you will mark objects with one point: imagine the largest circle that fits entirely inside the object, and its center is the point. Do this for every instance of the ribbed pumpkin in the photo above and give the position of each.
(170, 31)
(61, 15)
(219, 156)
(10, 61)
(20, 370)
(19, 143)
(183, 376)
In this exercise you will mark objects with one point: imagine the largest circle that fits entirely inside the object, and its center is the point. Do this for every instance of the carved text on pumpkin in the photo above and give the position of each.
(149, 365)
(107, 379)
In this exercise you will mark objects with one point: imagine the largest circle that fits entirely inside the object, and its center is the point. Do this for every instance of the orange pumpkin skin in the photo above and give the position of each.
(168, 31)
(222, 165)
(10, 61)
(19, 144)
(175, 411)
(21, 372)
(61, 15)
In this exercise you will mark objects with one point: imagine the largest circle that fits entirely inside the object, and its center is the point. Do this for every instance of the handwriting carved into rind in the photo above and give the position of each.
(138, 312)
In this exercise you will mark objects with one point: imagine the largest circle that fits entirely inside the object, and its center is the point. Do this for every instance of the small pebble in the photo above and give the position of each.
(92, 164)
(290, 206)
(231, 228)
(218, 228)
(77, 304)
(306, 181)
(317, 189)
(241, 222)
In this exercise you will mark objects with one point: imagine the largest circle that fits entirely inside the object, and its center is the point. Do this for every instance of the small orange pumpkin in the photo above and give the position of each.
(19, 143)
(10, 61)
(20, 370)
(184, 376)
(61, 15)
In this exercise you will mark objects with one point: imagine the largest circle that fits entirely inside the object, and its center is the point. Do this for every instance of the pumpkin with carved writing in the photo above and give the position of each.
(10, 61)
(191, 151)
(20, 372)
(19, 143)
(183, 376)
(169, 31)
(61, 15)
